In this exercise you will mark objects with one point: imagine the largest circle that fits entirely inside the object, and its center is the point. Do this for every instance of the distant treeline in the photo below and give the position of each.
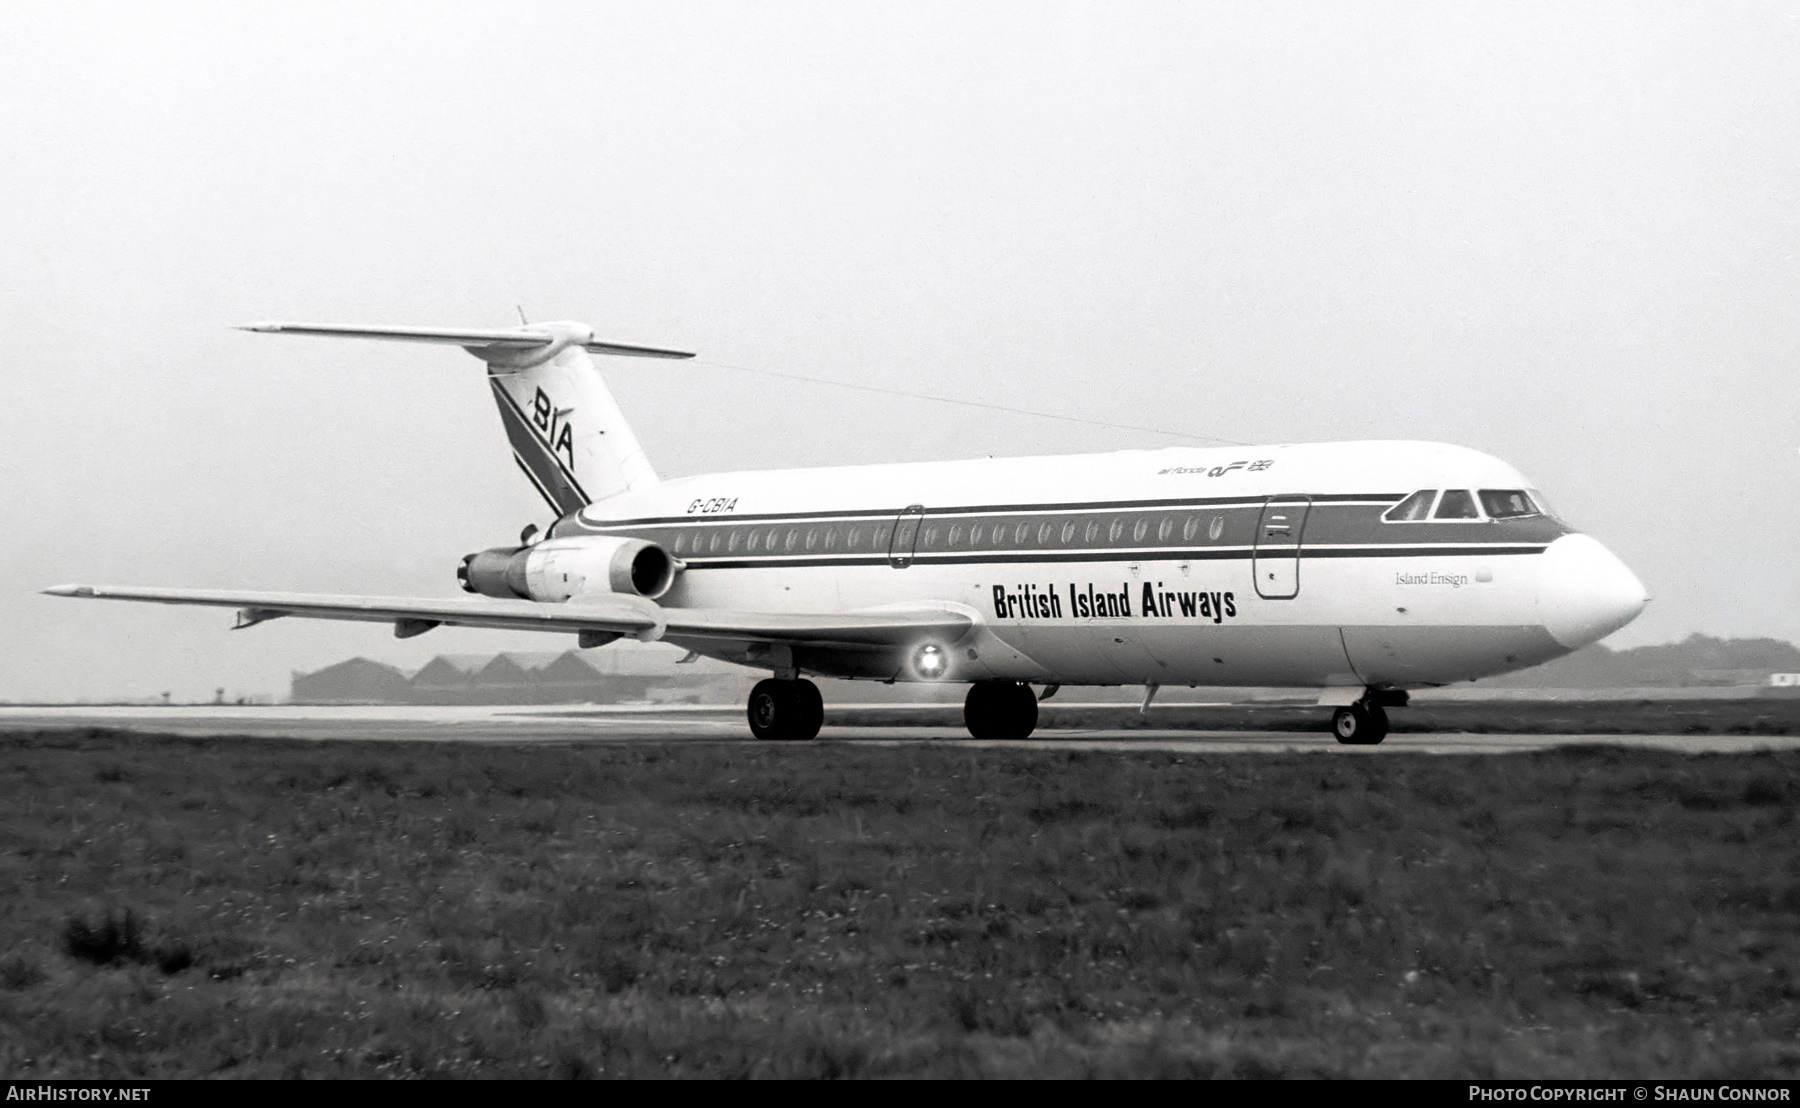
(1696, 660)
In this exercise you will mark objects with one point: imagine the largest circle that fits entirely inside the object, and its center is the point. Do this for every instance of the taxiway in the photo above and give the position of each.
(638, 724)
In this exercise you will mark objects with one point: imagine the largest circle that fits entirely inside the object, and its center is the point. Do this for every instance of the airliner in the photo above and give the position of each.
(1361, 569)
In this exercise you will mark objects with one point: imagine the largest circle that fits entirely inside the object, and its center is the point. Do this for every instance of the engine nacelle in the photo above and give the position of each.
(557, 569)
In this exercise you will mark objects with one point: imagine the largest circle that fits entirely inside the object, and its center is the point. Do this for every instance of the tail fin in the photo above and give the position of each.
(566, 431)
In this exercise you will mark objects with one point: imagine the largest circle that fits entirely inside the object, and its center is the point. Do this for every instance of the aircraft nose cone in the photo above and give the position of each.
(1585, 593)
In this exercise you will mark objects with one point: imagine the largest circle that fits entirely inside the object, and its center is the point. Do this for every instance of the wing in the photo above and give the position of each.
(880, 630)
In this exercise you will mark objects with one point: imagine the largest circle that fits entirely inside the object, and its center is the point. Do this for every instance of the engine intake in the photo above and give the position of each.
(558, 569)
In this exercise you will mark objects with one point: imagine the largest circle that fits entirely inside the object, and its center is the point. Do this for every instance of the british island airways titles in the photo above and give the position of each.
(1033, 601)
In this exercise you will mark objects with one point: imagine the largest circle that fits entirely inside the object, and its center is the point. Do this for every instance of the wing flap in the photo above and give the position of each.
(624, 614)
(849, 629)
(627, 615)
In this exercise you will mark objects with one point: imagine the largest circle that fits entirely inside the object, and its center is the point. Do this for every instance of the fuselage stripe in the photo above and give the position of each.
(1024, 556)
(1373, 499)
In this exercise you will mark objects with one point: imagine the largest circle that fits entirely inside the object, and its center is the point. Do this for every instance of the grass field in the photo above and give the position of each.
(226, 907)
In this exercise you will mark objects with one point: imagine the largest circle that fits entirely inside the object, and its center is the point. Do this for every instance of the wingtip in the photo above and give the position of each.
(263, 325)
(70, 590)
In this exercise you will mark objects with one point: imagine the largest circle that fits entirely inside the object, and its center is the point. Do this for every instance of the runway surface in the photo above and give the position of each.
(625, 724)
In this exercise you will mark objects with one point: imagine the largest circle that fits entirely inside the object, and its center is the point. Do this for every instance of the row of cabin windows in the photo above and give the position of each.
(1460, 504)
(875, 536)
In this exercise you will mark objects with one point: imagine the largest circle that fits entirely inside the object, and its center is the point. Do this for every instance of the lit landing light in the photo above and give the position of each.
(1585, 593)
(930, 661)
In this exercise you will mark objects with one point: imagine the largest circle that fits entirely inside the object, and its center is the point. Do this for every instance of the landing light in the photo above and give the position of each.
(930, 661)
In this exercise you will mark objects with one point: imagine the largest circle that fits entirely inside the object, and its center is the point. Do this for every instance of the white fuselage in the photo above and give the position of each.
(1234, 566)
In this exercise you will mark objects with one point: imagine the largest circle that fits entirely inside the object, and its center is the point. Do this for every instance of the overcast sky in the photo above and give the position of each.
(1565, 234)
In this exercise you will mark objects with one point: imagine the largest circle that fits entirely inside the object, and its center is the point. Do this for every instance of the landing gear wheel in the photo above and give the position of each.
(811, 707)
(1360, 724)
(791, 711)
(1002, 710)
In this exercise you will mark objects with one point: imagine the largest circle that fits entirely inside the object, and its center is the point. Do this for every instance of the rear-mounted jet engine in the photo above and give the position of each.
(558, 569)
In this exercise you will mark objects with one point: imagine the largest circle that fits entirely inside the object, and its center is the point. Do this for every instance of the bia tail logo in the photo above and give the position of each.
(553, 423)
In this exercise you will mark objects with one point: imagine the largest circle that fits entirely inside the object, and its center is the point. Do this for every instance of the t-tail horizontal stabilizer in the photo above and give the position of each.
(474, 341)
(566, 432)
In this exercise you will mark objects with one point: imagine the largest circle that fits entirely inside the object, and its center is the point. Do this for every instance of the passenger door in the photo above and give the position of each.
(1276, 562)
(906, 536)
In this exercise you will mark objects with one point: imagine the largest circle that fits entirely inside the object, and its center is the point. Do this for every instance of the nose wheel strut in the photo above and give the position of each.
(1365, 723)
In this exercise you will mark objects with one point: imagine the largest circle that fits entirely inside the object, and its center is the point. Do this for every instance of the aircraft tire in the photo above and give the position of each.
(1005, 711)
(1360, 724)
(785, 711)
(810, 710)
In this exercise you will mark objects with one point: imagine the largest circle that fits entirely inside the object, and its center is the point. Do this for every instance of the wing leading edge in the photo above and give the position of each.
(617, 615)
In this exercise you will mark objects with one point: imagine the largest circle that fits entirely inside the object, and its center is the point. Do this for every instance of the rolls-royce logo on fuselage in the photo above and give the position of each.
(1033, 601)
(1218, 471)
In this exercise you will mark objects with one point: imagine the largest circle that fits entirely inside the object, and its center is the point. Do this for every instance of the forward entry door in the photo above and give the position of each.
(1276, 563)
(905, 537)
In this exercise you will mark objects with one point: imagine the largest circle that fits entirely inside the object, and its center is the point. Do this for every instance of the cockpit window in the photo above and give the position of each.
(1414, 508)
(1508, 503)
(1457, 504)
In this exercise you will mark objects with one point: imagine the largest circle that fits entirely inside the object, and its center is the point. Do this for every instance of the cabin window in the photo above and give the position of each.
(1045, 530)
(1166, 529)
(1068, 531)
(1215, 528)
(712, 544)
(1414, 508)
(1508, 503)
(737, 540)
(792, 539)
(1456, 504)
(1091, 533)
(853, 538)
(1190, 529)
(681, 542)
(1140, 529)
(1116, 531)
(956, 534)
(831, 537)
(1022, 532)
(977, 534)
(928, 539)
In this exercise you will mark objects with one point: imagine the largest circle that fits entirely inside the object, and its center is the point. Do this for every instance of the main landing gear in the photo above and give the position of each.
(790, 710)
(1365, 723)
(1003, 710)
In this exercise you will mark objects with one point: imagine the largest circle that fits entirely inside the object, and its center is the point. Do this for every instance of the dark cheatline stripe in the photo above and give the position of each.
(1388, 498)
(567, 495)
(999, 558)
(535, 483)
(1496, 549)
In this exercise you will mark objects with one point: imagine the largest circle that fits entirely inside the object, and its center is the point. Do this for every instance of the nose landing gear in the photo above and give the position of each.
(1365, 723)
(786, 710)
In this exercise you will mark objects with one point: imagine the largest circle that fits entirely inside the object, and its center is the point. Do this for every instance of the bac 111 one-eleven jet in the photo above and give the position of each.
(1363, 569)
